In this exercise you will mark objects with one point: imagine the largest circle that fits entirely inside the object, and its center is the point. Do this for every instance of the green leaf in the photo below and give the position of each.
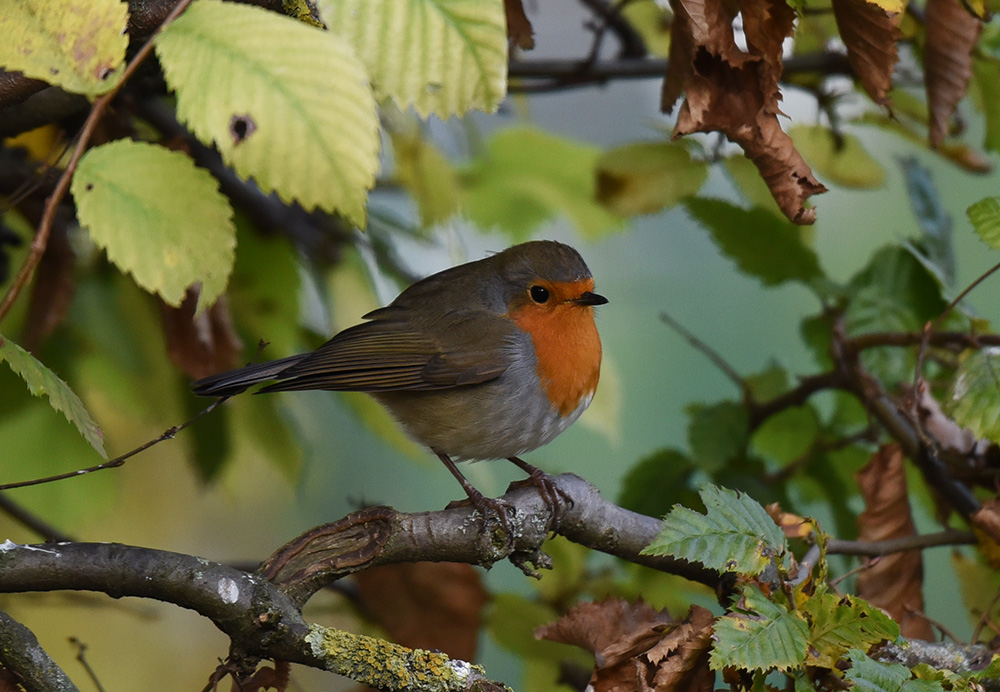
(658, 482)
(760, 636)
(842, 159)
(788, 435)
(158, 216)
(979, 584)
(527, 176)
(717, 433)
(838, 624)
(734, 535)
(975, 394)
(645, 177)
(985, 218)
(652, 21)
(41, 380)
(512, 620)
(762, 244)
(428, 175)
(986, 78)
(768, 383)
(285, 103)
(78, 45)
(440, 56)
(869, 675)
(934, 249)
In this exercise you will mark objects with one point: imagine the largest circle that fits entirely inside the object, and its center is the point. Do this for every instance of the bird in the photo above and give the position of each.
(490, 359)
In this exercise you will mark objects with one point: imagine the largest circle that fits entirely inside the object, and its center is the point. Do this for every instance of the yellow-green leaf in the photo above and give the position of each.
(78, 45)
(527, 177)
(41, 380)
(843, 161)
(428, 175)
(652, 21)
(645, 177)
(286, 104)
(441, 56)
(158, 216)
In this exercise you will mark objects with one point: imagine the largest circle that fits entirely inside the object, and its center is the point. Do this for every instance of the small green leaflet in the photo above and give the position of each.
(869, 675)
(41, 380)
(441, 56)
(843, 161)
(761, 636)
(527, 176)
(761, 243)
(838, 624)
(735, 535)
(645, 177)
(158, 216)
(286, 104)
(975, 394)
(78, 45)
(985, 218)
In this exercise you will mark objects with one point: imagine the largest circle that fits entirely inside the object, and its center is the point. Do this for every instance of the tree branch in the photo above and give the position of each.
(22, 655)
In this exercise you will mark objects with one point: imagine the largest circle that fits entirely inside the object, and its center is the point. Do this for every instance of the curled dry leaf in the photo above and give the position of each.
(870, 34)
(792, 525)
(895, 582)
(637, 647)
(426, 605)
(200, 344)
(735, 92)
(952, 33)
(519, 29)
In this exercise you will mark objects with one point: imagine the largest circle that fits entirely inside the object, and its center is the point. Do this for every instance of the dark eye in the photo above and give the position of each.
(539, 294)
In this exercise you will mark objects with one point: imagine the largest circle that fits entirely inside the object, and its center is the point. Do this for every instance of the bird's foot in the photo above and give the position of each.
(487, 506)
(547, 487)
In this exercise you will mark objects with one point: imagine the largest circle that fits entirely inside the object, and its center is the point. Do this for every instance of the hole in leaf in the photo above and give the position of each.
(241, 127)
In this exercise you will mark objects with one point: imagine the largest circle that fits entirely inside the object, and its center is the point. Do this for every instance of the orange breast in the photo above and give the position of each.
(567, 346)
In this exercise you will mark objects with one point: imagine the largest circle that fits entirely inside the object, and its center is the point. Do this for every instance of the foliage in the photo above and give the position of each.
(272, 176)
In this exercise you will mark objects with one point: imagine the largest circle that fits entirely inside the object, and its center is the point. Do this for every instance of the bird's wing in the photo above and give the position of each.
(389, 353)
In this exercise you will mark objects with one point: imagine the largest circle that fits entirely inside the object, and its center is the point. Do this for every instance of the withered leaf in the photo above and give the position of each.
(895, 582)
(870, 34)
(519, 29)
(952, 33)
(637, 647)
(735, 92)
(427, 605)
(987, 519)
(203, 344)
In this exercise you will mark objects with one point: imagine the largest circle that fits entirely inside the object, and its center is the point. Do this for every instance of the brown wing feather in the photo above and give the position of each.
(390, 354)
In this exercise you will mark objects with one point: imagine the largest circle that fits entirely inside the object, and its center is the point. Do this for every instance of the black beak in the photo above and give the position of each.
(588, 298)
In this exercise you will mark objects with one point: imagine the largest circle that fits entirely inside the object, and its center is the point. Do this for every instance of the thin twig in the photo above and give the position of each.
(709, 352)
(41, 239)
(167, 434)
(28, 519)
(984, 619)
(81, 650)
(899, 545)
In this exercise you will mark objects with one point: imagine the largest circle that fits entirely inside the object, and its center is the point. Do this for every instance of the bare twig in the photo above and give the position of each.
(48, 532)
(167, 434)
(81, 656)
(899, 545)
(709, 352)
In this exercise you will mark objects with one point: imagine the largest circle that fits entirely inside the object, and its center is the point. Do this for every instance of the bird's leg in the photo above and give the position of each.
(547, 487)
(478, 500)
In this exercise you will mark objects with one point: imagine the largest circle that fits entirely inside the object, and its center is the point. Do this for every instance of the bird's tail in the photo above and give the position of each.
(241, 379)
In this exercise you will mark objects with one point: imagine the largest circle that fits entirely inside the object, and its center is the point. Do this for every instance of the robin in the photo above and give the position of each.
(487, 360)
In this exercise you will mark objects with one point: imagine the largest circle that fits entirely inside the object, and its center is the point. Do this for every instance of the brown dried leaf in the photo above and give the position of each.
(202, 344)
(736, 93)
(518, 27)
(870, 34)
(894, 582)
(427, 605)
(987, 519)
(792, 525)
(637, 647)
(680, 660)
(952, 33)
